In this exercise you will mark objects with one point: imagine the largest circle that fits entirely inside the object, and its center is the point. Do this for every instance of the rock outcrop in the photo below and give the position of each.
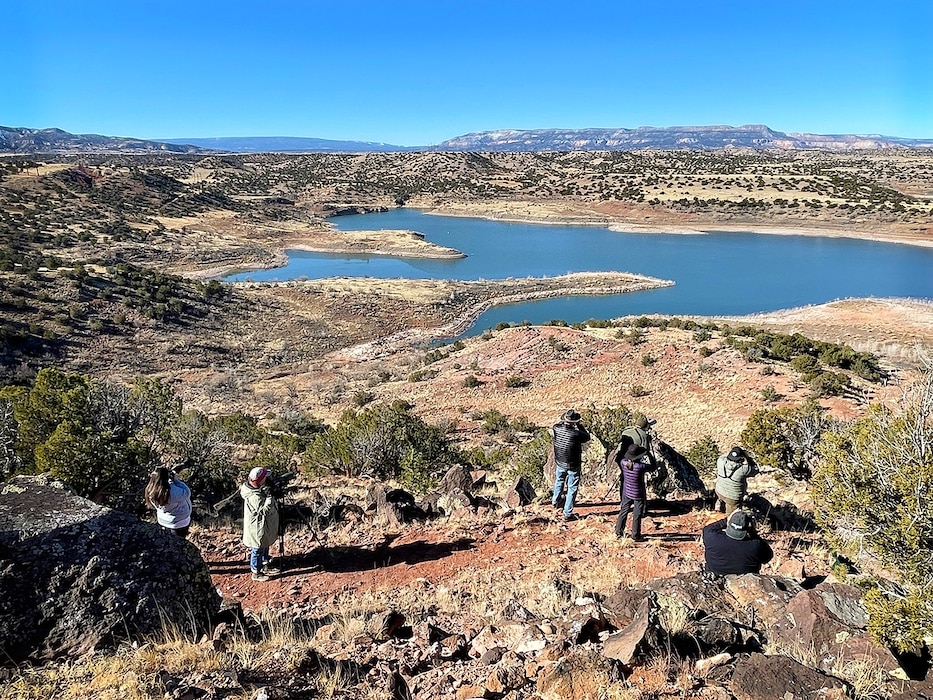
(76, 576)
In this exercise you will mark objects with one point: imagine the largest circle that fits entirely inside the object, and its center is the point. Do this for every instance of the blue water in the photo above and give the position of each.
(715, 274)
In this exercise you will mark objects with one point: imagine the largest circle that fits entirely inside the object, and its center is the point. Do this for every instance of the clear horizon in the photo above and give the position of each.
(416, 72)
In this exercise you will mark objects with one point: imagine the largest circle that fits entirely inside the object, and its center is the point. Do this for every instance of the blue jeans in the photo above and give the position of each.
(258, 558)
(572, 478)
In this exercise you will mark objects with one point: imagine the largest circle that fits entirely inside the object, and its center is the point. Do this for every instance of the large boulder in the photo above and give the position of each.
(763, 677)
(831, 621)
(76, 576)
(759, 601)
(675, 477)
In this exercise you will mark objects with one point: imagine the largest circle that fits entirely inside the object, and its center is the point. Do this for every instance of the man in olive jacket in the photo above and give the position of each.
(260, 522)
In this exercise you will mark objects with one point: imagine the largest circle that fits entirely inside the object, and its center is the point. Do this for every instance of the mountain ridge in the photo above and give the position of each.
(53, 140)
(699, 138)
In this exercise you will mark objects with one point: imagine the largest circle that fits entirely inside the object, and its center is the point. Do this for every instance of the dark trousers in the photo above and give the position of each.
(637, 506)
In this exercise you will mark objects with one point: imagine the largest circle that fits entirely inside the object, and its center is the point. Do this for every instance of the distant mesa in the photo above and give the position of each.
(19, 140)
(693, 138)
(287, 144)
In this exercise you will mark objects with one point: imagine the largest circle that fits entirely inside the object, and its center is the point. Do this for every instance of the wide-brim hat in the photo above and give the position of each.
(634, 452)
(738, 525)
(570, 416)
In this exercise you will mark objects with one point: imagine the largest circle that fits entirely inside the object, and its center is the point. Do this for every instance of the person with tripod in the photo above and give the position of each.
(260, 522)
(633, 495)
(732, 473)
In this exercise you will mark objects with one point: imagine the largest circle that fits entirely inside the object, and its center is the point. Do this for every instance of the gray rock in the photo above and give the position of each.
(760, 601)
(782, 678)
(456, 478)
(76, 577)
(624, 645)
(521, 494)
(621, 607)
(705, 596)
(831, 619)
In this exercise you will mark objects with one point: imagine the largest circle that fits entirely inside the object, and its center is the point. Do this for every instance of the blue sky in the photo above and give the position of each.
(408, 72)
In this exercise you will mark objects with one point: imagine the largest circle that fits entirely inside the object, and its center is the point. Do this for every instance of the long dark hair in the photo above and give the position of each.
(157, 490)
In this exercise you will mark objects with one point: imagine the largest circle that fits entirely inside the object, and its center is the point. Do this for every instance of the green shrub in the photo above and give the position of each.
(240, 428)
(494, 422)
(807, 365)
(363, 397)
(648, 359)
(434, 356)
(415, 473)
(872, 489)
(516, 382)
(786, 438)
(633, 336)
(829, 384)
(373, 442)
(637, 391)
(607, 423)
(480, 457)
(703, 455)
(770, 394)
(521, 424)
(471, 382)
(529, 460)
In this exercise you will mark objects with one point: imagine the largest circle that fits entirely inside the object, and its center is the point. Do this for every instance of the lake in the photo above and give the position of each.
(714, 274)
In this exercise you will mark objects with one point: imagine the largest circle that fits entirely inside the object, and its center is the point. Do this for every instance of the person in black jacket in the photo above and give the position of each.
(569, 437)
(733, 547)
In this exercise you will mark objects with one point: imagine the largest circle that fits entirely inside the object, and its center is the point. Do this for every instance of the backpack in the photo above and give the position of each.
(614, 458)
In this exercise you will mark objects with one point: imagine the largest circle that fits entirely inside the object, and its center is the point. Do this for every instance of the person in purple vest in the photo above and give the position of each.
(633, 494)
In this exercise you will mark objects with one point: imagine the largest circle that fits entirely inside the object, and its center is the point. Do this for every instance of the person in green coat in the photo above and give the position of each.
(260, 522)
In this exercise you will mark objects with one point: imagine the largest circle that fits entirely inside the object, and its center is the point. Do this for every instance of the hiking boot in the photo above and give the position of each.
(271, 570)
(570, 518)
(259, 576)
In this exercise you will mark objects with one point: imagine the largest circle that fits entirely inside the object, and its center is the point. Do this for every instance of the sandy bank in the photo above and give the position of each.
(560, 214)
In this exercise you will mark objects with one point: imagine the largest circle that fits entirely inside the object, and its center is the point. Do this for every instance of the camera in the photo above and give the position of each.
(278, 484)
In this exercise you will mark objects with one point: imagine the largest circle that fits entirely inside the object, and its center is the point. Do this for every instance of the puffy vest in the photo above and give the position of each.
(568, 444)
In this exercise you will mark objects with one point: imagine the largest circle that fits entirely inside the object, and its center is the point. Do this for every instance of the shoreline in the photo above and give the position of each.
(379, 347)
(621, 226)
(434, 252)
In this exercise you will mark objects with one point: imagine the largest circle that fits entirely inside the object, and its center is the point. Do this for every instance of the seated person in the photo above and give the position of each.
(733, 547)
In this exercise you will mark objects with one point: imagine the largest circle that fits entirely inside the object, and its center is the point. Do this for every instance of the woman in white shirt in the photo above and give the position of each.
(171, 498)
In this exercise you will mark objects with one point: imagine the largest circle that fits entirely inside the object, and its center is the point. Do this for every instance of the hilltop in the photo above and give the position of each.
(110, 267)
